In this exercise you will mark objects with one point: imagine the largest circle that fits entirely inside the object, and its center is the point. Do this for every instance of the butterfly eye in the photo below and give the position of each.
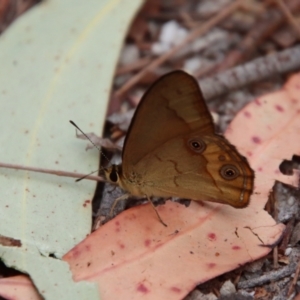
(114, 176)
(229, 172)
(197, 145)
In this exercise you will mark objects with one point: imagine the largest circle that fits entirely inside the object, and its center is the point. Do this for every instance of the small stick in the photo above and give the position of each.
(294, 281)
(266, 25)
(138, 64)
(192, 36)
(275, 257)
(287, 235)
(53, 172)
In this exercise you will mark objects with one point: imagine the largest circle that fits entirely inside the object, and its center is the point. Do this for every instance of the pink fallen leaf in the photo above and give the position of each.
(269, 134)
(134, 256)
(18, 288)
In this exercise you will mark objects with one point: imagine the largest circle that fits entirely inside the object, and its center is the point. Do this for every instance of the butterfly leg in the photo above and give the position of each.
(158, 216)
(123, 197)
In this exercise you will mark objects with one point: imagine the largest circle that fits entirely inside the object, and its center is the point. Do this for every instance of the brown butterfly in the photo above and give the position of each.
(171, 149)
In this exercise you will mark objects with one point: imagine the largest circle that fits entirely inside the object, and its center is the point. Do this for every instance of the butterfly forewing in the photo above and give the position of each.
(174, 105)
(171, 148)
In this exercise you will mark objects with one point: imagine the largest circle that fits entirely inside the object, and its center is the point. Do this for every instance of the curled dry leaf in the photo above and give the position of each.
(134, 255)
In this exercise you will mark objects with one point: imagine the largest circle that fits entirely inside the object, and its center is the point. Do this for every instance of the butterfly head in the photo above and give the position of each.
(112, 174)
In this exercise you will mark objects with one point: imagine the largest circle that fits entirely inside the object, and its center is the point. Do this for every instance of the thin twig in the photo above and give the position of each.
(53, 172)
(287, 235)
(266, 25)
(275, 257)
(294, 281)
(142, 62)
(194, 34)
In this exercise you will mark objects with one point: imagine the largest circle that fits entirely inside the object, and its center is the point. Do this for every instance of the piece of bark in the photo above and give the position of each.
(266, 25)
(268, 277)
(254, 71)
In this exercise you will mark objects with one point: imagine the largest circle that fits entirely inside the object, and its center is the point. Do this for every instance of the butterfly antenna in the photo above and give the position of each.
(85, 176)
(96, 146)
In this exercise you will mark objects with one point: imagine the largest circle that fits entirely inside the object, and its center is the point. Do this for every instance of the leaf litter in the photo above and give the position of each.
(258, 148)
(133, 255)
